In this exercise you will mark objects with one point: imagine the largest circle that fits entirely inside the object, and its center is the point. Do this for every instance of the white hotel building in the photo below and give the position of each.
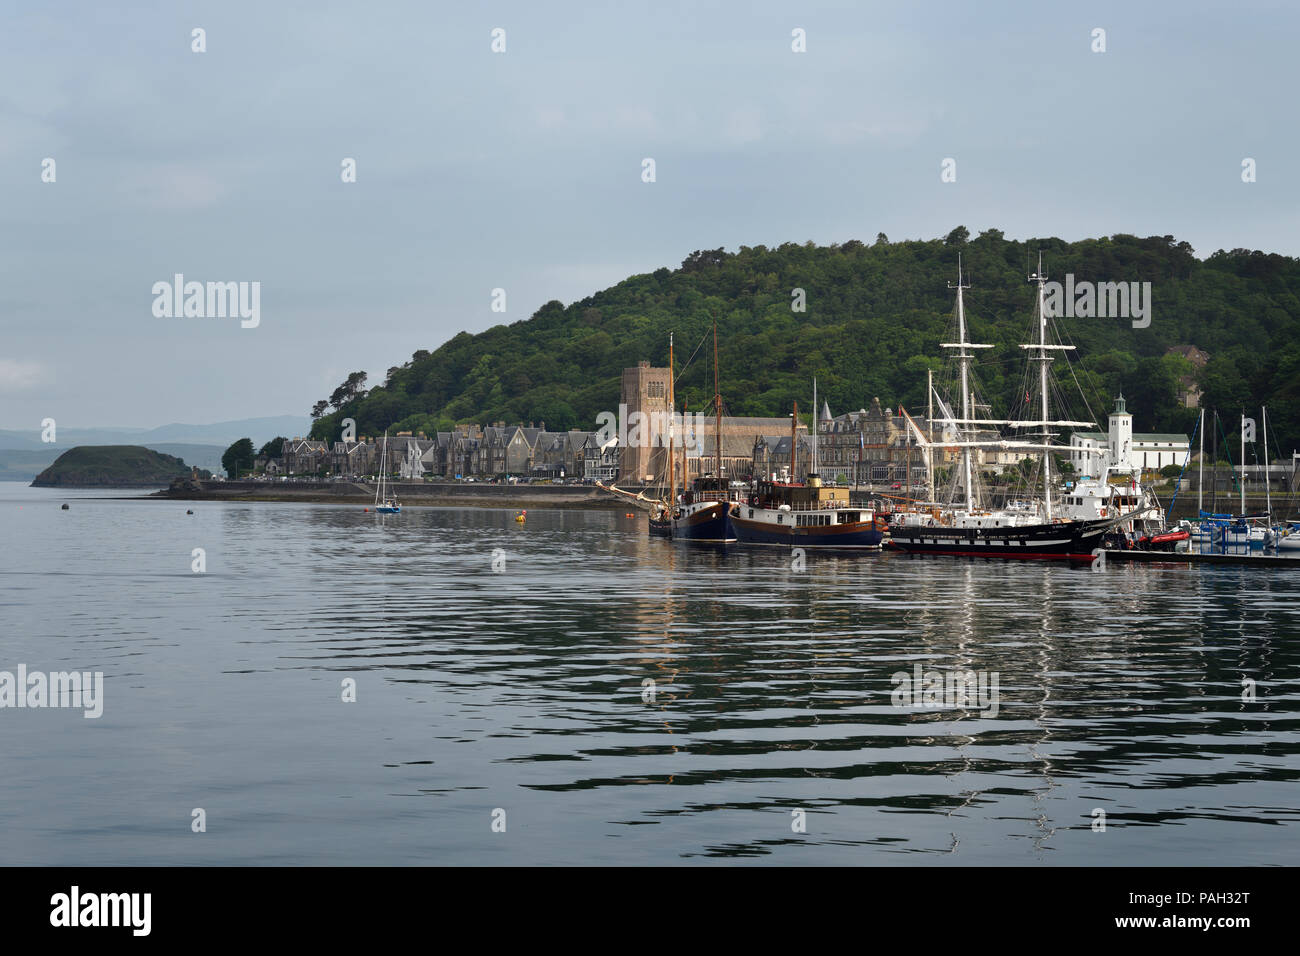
(1124, 451)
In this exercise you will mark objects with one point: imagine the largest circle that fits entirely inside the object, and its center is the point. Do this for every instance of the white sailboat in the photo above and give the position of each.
(385, 503)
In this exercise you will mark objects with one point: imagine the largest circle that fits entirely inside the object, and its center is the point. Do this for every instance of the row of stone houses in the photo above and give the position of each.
(867, 445)
(469, 450)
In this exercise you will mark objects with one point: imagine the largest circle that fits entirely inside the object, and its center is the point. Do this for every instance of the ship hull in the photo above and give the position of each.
(1063, 541)
(859, 535)
(707, 524)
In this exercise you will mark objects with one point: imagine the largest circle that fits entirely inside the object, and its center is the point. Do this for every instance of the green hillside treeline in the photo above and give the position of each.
(875, 315)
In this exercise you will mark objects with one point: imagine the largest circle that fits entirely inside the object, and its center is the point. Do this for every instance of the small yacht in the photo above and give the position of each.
(385, 503)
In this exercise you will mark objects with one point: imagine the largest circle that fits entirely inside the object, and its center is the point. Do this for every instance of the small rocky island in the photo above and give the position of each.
(112, 466)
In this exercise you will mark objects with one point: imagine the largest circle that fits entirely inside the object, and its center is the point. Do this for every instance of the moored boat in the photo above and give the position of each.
(704, 515)
(1037, 530)
(987, 535)
(1173, 539)
(808, 515)
(385, 503)
(661, 523)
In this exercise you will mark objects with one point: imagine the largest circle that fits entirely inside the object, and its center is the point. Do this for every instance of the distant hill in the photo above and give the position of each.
(111, 466)
(26, 464)
(875, 316)
(259, 430)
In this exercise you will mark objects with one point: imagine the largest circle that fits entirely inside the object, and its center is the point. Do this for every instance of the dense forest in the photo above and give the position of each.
(874, 317)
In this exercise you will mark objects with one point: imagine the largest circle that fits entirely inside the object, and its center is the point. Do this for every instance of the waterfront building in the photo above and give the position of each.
(600, 462)
(1123, 450)
(646, 390)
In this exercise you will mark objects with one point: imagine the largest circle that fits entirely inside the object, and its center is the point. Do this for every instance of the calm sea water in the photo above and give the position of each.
(519, 695)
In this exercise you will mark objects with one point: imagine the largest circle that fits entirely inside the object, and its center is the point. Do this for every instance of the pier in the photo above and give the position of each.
(1192, 557)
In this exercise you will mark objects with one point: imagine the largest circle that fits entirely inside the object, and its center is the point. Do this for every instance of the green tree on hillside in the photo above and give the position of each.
(238, 456)
(272, 449)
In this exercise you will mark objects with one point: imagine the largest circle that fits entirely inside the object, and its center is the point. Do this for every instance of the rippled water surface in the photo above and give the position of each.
(523, 695)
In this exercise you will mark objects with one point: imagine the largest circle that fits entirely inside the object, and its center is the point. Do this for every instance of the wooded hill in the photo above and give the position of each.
(112, 466)
(875, 315)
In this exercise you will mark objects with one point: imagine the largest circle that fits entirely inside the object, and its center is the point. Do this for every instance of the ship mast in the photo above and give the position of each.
(1268, 490)
(1241, 485)
(686, 474)
(1200, 475)
(1043, 360)
(717, 405)
(964, 356)
(794, 441)
(929, 432)
(816, 413)
(672, 411)
(965, 380)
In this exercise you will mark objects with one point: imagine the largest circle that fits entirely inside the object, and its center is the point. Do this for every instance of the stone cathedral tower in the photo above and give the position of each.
(645, 390)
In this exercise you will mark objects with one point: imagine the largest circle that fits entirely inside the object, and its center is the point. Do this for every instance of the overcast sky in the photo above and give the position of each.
(522, 170)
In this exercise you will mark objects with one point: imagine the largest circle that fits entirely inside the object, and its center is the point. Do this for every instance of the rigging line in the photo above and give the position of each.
(1066, 340)
(691, 359)
(1273, 432)
(1227, 450)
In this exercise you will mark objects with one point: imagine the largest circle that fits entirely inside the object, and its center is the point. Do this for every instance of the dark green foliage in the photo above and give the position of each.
(107, 466)
(876, 314)
(238, 456)
(273, 448)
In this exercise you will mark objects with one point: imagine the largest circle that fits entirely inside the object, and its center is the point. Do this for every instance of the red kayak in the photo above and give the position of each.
(1166, 537)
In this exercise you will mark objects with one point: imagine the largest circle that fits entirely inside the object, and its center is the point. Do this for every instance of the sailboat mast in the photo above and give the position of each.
(383, 462)
(1241, 482)
(1214, 443)
(1042, 381)
(686, 475)
(672, 411)
(1268, 491)
(717, 406)
(1200, 478)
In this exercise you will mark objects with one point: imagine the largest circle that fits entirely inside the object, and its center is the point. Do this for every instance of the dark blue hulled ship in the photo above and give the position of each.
(704, 514)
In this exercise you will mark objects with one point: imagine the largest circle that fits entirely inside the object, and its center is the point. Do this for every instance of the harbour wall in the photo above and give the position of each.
(412, 493)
